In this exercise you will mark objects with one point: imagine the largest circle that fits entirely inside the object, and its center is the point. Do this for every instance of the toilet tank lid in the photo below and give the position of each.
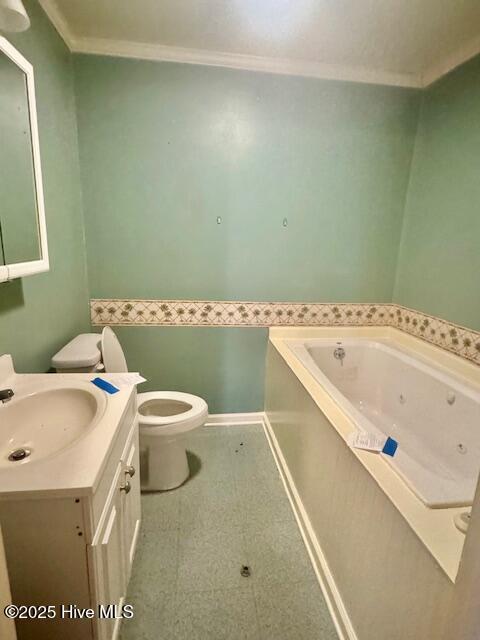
(82, 351)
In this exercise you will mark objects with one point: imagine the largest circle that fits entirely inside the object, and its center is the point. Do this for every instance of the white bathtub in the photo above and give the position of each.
(434, 416)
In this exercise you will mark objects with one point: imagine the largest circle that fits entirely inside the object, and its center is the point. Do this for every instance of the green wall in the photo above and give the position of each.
(39, 313)
(224, 365)
(439, 261)
(166, 148)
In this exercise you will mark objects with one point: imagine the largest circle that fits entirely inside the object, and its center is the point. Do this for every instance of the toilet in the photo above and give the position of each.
(163, 416)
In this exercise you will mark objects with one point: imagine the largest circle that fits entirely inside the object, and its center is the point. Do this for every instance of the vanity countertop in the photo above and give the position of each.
(76, 469)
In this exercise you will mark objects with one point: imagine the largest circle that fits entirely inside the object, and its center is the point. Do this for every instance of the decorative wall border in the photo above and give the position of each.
(205, 313)
(234, 314)
(447, 335)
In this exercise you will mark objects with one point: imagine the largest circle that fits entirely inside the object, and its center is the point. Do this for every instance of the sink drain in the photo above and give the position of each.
(19, 454)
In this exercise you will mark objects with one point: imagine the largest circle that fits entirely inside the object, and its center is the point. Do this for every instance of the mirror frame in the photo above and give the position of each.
(20, 269)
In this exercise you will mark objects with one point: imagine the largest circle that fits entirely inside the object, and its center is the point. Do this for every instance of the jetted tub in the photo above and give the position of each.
(434, 416)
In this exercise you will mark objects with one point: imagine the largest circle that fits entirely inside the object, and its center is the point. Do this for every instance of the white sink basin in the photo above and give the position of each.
(39, 422)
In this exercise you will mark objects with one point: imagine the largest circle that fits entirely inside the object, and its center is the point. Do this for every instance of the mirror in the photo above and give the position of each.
(23, 239)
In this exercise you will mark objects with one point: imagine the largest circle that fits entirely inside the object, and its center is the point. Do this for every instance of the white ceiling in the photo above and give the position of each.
(404, 42)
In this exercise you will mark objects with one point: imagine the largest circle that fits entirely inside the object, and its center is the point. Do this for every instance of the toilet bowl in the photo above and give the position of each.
(163, 416)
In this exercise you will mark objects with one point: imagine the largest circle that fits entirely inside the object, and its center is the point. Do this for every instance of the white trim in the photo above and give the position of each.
(20, 269)
(56, 18)
(231, 419)
(324, 576)
(283, 66)
(451, 62)
(133, 546)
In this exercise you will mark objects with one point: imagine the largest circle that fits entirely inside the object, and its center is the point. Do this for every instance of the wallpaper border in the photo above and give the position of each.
(127, 312)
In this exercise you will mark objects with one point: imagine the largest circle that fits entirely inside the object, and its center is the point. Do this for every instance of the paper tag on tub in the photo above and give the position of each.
(126, 379)
(367, 441)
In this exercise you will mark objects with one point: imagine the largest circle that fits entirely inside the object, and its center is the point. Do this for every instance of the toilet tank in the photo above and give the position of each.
(80, 355)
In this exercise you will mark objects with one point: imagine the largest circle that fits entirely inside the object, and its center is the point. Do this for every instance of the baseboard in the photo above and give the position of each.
(325, 579)
(232, 419)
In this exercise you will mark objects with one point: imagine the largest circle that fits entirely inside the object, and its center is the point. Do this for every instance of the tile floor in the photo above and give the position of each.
(233, 511)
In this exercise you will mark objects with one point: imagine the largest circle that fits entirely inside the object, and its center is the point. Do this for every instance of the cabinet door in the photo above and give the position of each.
(107, 560)
(131, 500)
(7, 627)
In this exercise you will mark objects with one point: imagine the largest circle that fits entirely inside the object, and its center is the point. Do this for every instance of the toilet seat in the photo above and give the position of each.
(157, 423)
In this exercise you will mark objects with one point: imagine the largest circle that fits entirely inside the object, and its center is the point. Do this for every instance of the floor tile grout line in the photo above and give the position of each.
(257, 617)
(246, 546)
(177, 567)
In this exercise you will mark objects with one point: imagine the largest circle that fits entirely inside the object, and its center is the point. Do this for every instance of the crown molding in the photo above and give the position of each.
(306, 68)
(451, 62)
(282, 66)
(56, 18)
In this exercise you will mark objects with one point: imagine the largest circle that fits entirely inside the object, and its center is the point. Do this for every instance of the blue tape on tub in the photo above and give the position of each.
(390, 447)
(106, 386)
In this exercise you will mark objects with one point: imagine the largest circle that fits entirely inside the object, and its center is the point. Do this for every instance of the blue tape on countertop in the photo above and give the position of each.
(106, 386)
(390, 447)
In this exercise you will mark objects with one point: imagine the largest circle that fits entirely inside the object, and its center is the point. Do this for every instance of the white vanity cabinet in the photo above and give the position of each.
(77, 549)
(110, 555)
(7, 626)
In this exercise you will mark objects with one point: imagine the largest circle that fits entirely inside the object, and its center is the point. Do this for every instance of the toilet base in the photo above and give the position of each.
(163, 463)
